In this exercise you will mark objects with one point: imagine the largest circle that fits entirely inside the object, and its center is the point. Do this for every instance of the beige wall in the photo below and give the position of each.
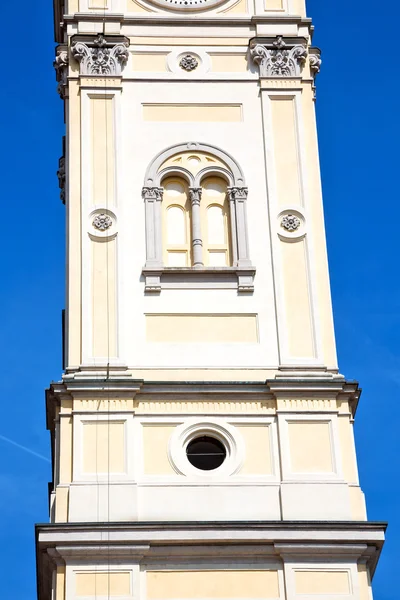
(104, 298)
(155, 449)
(364, 582)
(60, 583)
(104, 447)
(286, 149)
(322, 582)
(103, 584)
(257, 441)
(310, 447)
(299, 325)
(219, 113)
(212, 584)
(103, 150)
(201, 328)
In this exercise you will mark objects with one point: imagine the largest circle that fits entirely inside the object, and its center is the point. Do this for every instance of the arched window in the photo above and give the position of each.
(176, 218)
(215, 223)
(196, 224)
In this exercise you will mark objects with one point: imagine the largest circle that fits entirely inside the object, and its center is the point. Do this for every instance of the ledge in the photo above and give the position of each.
(159, 278)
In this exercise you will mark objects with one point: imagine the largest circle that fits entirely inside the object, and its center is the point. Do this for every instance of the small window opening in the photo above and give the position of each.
(206, 453)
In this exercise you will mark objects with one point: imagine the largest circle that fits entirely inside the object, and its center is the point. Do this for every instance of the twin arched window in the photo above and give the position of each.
(195, 202)
(178, 228)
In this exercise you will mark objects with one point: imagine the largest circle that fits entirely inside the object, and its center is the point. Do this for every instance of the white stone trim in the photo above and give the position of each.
(204, 61)
(192, 428)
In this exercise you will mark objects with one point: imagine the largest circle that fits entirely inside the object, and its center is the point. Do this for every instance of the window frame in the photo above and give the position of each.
(156, 274)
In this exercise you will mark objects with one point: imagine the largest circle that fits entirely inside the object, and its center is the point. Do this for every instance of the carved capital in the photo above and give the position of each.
(100, 55)
(315, 65)
(238, 193)
(61, 66)
(61, 178)
(152, 194)
(281, 57)
(195, 196)
(61, 173)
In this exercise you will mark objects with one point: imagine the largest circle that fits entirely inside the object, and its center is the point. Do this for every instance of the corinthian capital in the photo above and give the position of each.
(100, 55)
(152, 194)
(61, 66)
(238, 193)
(281, 57)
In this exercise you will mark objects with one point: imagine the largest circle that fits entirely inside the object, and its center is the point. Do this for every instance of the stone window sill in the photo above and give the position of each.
(163, 278)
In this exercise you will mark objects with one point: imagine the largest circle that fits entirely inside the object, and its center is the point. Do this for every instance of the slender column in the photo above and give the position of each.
(232, 209)
(197, 242)
(152, 197)
(238, 196)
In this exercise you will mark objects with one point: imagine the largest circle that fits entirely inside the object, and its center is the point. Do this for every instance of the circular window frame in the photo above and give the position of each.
(187, 5)
(225, 433)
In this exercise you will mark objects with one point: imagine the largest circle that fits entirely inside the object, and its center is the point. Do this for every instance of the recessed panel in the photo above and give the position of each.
(202, 328)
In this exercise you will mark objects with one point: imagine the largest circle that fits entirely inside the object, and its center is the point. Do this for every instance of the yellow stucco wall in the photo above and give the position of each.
(60, 583)
(155, 449)
(257, 441)
(286, 151)
(364, 582)
(103, 150)
(104, 447)
(201, 328)
(103, 584)
(212, 584)
(104, 308)
(322, 582)
(310, 447)
(299, 326)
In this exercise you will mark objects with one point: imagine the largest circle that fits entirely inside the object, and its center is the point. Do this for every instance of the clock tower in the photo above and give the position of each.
(202, 434)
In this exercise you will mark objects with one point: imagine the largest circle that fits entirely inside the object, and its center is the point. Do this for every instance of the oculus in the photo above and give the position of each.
(187, 5)
(206, 453)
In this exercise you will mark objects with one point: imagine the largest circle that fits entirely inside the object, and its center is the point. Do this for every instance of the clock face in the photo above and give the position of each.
(187, 5)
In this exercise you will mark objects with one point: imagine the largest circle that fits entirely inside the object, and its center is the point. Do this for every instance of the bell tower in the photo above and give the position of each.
(202, 434)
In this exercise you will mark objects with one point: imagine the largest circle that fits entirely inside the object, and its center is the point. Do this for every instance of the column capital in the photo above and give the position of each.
(152, 194)
(60, 64)
(280, 56)
(195, 195)
(100, 55)
(315, 65)
(238, 193)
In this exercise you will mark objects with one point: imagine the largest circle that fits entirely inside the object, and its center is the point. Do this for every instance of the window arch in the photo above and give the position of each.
(195, 200)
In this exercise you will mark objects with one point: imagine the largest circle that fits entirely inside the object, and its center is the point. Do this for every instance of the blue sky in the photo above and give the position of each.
(359, 128)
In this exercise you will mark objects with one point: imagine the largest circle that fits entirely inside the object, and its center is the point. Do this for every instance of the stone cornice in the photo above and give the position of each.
(357, 539)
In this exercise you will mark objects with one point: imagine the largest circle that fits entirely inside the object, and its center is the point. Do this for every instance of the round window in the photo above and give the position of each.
(206, 453)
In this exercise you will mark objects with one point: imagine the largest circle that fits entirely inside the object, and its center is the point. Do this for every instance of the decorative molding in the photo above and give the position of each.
(188, 63)
(195, 195)
(204, 407)
(218, 428)
(315, 66)
(61, 64)
(102, 222)
(290, 222)
(62, 173)
(152, 194)
(241, 274)
(283, 57)
(307, 404)
(100, 55)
